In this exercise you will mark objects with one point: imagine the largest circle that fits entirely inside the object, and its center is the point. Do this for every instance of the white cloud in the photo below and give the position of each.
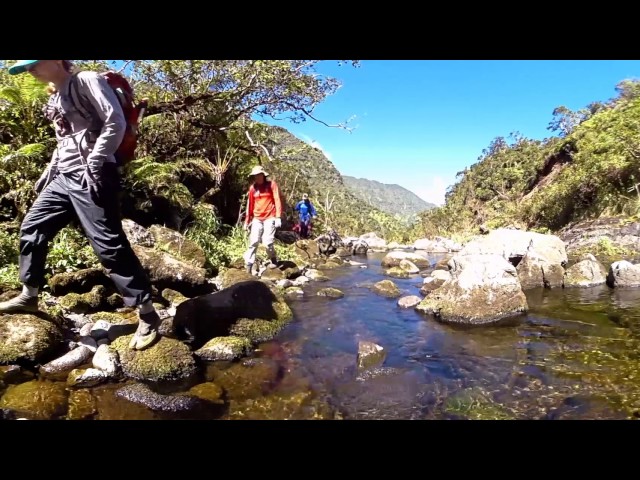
(316, 144)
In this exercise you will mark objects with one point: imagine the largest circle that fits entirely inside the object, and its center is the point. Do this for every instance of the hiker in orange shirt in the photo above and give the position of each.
(263, 216)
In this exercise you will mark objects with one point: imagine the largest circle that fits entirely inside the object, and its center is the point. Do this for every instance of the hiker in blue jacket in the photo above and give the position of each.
(307, 211)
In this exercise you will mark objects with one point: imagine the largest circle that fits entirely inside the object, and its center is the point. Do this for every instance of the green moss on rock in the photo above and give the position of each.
(257, 331)
(386, 288)
(85, 302)
(81, 281)
(330, 292)
(116, 318)
(232, 276)
(82, 405)
(36, 400)
(224, 348)
(208, 391)
(173, 297)
(168, 359)
(27, 337)
(177, 245)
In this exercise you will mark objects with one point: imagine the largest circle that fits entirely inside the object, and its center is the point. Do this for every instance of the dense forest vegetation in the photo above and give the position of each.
(588, 169)
(201, 136)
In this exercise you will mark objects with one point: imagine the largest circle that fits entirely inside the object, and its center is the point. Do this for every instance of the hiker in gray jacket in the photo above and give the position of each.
(82, 182)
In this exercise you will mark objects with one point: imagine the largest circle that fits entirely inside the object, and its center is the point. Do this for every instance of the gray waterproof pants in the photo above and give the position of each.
(97, 209)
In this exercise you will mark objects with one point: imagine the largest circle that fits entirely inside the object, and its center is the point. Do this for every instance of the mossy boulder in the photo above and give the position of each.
(224, 348)
(330, 292)
(178, 245)
(273, 274)
(173, 297)
(36, 400)
(249, 378)
(129, 317)
(208, 391)
(386, 288)
(234, 275)
(316, 275)
(396, 272)
(91, 301)
(307, 249)
(393, 259)
(257, 330)
(293, 292)
(167, 359)
(27, 337)
(86, 377)
(81, 281)
(588, 272)
(167, 271)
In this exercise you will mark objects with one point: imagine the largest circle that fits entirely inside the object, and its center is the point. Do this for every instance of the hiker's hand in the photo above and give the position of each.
(247, 227)
(278, 222)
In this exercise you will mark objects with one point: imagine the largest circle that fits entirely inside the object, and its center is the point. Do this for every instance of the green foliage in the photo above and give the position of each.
(543, 185)
(8, 248)
(70, 251)
(9, 277)
(392, 199)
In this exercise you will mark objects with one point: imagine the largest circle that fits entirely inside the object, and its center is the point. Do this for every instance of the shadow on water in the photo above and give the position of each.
(575, 355)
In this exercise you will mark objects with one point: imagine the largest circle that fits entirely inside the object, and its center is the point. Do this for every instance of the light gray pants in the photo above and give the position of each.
(264, 230)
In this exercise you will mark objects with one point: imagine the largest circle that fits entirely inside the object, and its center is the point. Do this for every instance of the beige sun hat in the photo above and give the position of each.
(258, 169)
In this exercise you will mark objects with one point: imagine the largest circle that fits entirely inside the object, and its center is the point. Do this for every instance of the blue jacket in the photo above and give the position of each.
(305, 207)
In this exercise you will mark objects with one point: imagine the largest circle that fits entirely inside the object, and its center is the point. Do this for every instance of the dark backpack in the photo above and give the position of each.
(133, 112)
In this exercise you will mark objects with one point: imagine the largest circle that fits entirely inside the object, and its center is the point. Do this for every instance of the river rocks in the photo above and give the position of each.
(328, 265)
(81, 281)
(437, 245)
(167, 359)
(166, 271)
(602, 235)
(293, 292)
(82, 405)
(202, 318)
(249, 378)
(393, 259)
(178, 245)
(588, 272)
(27, 337)
(36, 400)
(536, 271)
(373, 241)
(233, 275)
(224, 348)
(513, 245)
(386, 288)
(370, 355)
(70, 360)
(483, 289)
(623, 274)
(315, 275)
(396, 272)
(106, 359)
(330, 292)
(87, 377)
(409, 301)
(96, 299)
(408, 266)
(143, 395)
(359, 247)
(137, 234)
(173, 297)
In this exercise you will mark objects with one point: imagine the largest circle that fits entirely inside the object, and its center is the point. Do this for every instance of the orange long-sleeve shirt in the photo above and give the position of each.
(264, 201)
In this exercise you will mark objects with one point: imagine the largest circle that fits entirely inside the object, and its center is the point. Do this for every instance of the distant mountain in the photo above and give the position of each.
(389, 198)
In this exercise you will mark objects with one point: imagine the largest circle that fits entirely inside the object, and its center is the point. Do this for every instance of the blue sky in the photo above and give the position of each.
(420, 122)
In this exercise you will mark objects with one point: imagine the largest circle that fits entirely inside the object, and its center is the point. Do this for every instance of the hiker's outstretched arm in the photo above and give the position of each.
(108, 108)
(276, 198)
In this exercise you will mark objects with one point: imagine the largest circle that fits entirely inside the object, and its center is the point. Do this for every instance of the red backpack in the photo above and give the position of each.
(133, 113)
